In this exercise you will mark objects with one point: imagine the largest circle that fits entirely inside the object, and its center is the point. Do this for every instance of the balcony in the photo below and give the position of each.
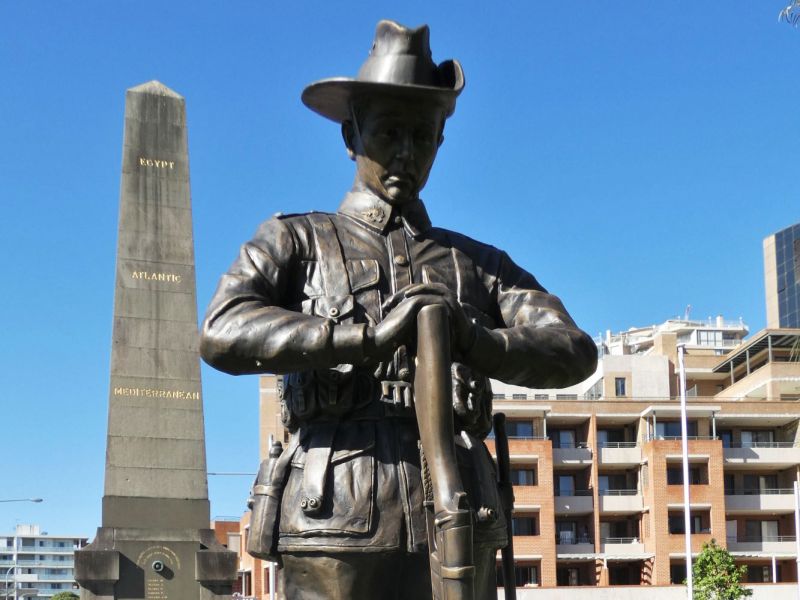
(767, 454)
(621, 546)
(777, 544)
(621, 501)
(573, 502)
(620, 453)
(578, 454)
(568, 542)
(778, 500)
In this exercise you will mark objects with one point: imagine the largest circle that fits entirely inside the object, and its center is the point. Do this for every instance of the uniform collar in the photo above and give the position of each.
(377, 214)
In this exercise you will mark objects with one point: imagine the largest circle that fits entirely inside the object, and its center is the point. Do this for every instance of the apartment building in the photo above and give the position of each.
(598, 467)
(36, 565)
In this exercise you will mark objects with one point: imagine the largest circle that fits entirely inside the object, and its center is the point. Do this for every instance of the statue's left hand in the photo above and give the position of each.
(461, 327)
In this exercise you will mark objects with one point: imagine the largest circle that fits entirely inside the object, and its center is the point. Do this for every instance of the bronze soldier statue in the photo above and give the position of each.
(332, 301)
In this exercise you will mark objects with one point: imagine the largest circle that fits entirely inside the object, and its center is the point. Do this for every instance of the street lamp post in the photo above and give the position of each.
(687, 520)
(8, 572)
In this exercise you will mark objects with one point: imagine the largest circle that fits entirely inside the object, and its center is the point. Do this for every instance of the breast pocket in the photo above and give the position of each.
(365, 275)
(348, 498)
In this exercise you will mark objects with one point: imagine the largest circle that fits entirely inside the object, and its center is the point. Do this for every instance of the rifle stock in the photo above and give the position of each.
(449, 517)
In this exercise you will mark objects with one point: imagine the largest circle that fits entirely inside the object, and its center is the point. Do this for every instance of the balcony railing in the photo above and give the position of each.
(618, 444)
(521, 437)
(651, 438)
(570, 445)
(573, 492)
(620, 540)
(566, 537)
(621, 492)
(759, 492)
(744, 539)
(760, 445)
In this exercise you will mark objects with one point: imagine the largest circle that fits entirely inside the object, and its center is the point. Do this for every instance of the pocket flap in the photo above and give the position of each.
(353, 440)
(334, 307)
(363, 273)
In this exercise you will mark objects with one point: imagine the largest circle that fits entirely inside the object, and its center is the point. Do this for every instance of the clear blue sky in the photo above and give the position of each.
(631, 155)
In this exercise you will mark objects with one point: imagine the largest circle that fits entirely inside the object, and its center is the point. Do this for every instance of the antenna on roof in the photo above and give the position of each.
(687, 312)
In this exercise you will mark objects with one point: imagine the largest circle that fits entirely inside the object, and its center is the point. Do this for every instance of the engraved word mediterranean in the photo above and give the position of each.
(138, 392)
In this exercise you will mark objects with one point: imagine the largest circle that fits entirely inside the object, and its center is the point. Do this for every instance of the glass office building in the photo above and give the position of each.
(782, 277)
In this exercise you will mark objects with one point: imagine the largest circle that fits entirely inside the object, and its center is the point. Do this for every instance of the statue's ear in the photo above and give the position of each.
(349, 137)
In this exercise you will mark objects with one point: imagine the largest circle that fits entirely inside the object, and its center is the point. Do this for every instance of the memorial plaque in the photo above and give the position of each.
(155, 542)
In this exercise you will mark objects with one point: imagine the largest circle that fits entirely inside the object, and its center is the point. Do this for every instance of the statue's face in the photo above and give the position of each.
(396, 147)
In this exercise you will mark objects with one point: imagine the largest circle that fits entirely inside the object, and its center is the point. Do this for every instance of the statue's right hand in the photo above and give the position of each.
(400, 325)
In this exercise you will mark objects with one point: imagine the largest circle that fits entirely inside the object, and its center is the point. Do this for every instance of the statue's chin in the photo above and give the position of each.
(397, 196)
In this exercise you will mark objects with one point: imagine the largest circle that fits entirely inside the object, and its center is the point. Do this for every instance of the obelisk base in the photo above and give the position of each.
(144, 564)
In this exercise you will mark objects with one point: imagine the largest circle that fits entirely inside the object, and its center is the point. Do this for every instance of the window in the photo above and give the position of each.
(566, 396)
(759, 574)
(523, 476)
(619, 386)
(709, 338)
(696, 475)
(524, 576)
(672, 429)
(761, 531)
(613, 436)
(524, 526)
(757, 438)
(565, 485)
(677, 573)
(730, 485)
(519, 429)
(519, 396)
(563, 438)
(676, 523)
(498, 396)
(727, 438)
(541, 396)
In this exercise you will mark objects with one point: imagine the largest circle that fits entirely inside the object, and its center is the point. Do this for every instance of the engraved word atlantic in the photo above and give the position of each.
(155, 276)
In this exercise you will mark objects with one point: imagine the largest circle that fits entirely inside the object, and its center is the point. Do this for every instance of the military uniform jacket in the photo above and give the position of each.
(298, 300)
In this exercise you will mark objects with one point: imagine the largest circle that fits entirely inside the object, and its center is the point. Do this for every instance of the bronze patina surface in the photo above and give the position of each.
(339, 304)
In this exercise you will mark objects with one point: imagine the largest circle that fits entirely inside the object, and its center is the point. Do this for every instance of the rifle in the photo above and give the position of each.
(448, 515)
(507, 497)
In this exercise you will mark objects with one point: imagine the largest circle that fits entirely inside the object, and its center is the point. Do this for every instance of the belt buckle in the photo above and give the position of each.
(399, 395)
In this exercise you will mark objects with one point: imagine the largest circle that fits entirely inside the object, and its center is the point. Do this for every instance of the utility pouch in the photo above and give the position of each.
(334, 390)
(265, 503)
(299, 394)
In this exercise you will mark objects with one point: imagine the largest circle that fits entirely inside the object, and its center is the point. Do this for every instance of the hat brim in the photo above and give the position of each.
(333, 97)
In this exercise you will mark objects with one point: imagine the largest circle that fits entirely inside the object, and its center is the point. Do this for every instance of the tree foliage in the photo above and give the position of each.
(791, 13)
(715, 575)
(66, 596)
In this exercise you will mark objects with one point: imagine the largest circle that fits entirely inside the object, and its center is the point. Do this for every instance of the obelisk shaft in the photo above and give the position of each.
(155, 461)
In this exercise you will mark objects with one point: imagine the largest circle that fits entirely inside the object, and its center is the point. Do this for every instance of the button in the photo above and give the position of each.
(333, 311)
(400, 260)
(398, 219)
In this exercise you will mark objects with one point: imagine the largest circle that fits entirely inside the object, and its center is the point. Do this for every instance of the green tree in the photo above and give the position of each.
(716, 576)
(66, 596)
(791, 13)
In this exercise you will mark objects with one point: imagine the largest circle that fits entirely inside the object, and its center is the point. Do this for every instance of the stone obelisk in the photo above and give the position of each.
(155, 542)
